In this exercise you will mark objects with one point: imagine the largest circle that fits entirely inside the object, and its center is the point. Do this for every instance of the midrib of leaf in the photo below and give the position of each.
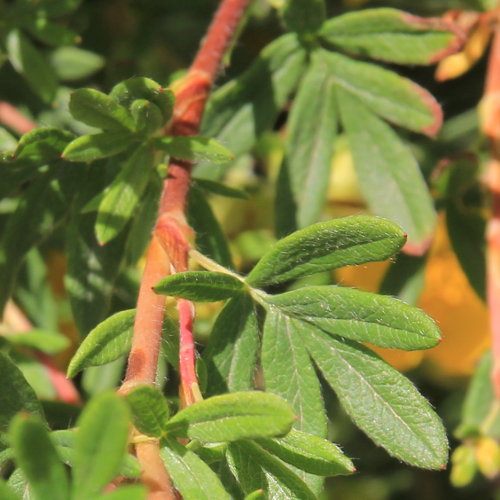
(380, 398)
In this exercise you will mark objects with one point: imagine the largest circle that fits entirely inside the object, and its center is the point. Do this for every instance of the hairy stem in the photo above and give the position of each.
(171, 241)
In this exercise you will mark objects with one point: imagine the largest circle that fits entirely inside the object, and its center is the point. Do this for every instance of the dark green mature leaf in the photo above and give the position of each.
(221, 189)
(230, 417)
(36, 455)
(210, 238)
(100, 444)
(194, 479)
(309, 147)
(7, 493)
(309, 453)
(288, 372)
(357, 315)
(479, 404)
(43, 340)
(29, 62)
(106, 342)
(15, 173)
(381, 401)
(27, 227)
(43, 144)
(303, 16)
(392, 35)
(149, 410)
(328, 245)
(99, 110)
(122, 196)
(231, 353)
(94, 146)
(200, 286)
(74, 63)
(384, 164)
(193, 148)
(126, 92)
(279, 481)
(16, 394)
(242, 109)
(387, 94)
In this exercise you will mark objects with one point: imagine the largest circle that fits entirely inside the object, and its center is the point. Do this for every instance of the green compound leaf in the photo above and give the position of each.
(94, 146)
(16, 394)
(191, 475)
(309, 147)
(328, 245)
(43, 144)
(42, 340)
(309, 453)
(193, 148)
(255, 468)
(289, 373)
(74, 63)
(29, 62)
(230, 417)
(126, 92)
(392, 35)
(123, 195)
(356, 315)
(241, 110)
(200, 286)
(384, 164)
(99, 110)
(149, 410)
(37, 457)
(231, 352)
(393, 97)
(106, 342)
(100, 444)
(303, 16)
(381, 401)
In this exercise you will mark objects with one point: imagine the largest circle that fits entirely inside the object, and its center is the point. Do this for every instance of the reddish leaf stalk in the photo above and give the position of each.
(13, 119)
(171, 241)
(490, 116)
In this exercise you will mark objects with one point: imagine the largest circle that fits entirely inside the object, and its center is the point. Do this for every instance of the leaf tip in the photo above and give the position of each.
(417, 249)
(443, 467)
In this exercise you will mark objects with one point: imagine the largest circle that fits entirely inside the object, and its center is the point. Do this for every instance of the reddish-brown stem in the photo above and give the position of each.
(66, 392)
(11, 117)
(168, 251)
(490, 117)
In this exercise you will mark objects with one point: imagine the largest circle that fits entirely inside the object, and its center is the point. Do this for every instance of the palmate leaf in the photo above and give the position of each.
(288, 372)
(392, 35)
(381, 401)
(309, 148)
(384, 164)
(328, 245)
(231, 353)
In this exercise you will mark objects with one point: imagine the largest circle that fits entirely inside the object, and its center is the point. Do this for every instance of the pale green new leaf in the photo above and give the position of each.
(392, 35)
(149, 410)
(106, 342)
(312, 126)
(231, 353)
(200, 286)
(385, 165)
(36, 455)
(74, 63)
(99, 110)
(42, 340)
(381, 401)
(328, 245)
(191, 476)
(289, 373)
(100, 444)
(309, 453)
(123, 195)
(393, 97)
(357, 315)
(230, 417)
